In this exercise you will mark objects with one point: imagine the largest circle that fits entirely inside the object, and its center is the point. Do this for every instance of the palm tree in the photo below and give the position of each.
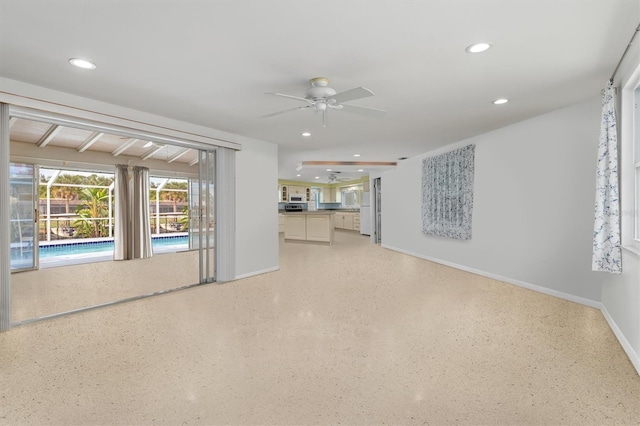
(94, 207)
(42, 189)
(175, 196)
(67, 193)
(98, 180)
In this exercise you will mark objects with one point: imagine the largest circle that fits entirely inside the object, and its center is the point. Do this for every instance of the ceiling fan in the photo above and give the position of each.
(321, 98)
(333, 178)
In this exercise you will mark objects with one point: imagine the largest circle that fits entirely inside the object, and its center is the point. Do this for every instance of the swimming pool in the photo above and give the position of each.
(81, 247)
(73, 252)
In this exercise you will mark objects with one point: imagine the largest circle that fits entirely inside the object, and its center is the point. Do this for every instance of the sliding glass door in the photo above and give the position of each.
(70, 271)
(23, 228)
(202, 220)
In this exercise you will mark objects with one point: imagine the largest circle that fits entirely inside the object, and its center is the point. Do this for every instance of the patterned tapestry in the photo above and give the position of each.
(447, 193)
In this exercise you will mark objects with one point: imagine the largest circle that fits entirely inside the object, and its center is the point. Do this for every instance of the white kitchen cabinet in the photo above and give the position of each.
(284, 191)
(316, 227)
(319, 228)
(331, 195)
(325, 195)
(297, 190)
(280, 222)
(295, 227)
(347, 220)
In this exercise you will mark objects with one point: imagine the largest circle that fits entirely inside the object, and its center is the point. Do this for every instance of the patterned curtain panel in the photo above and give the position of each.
(447, 193)
(607, 255)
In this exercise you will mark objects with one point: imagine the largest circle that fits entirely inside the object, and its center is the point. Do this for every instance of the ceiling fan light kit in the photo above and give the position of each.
(321, 98)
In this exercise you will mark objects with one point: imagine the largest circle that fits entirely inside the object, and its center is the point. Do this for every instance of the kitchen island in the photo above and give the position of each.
(309, 226)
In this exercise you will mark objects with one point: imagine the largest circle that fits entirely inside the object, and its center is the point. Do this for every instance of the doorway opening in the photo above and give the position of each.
(377, 209)
(62, 202)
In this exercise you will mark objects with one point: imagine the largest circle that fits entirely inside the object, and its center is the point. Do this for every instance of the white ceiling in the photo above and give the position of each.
(210, 63)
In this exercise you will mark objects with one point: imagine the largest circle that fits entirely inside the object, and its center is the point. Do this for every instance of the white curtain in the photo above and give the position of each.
(607, 255)
(140, 210)
(122, 225)
(132, 232)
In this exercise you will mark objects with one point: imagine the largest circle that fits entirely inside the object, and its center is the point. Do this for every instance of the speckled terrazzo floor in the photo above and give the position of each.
(349, 334)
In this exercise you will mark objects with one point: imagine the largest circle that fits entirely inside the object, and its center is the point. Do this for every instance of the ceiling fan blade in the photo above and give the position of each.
(350, 95)
(371, 112)
(298, 98)
(282, 112)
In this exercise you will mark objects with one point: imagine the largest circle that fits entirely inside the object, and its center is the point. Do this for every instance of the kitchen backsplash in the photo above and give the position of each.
(322, 206)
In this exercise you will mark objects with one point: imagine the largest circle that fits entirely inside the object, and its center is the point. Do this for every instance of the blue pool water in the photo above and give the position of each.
(99, 247)
(180, 242)
(79, 251)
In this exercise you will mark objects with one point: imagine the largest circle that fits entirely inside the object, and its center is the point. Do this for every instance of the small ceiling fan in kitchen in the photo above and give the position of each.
(321, 98)
(333, 178)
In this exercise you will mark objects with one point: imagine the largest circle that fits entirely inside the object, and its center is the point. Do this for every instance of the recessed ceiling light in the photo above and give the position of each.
(500, 101)
(306, 134)
(298, 175)
(82, 63)
(317, 177)
(356, 155)
(478, 47)
(328, 170)
(361, 170)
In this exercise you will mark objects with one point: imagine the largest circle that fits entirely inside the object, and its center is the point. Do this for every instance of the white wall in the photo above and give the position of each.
(533, 205)
(257, 247)
(621, 305)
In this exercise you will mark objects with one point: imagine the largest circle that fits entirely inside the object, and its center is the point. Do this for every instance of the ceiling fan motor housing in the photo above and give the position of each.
(319, 89)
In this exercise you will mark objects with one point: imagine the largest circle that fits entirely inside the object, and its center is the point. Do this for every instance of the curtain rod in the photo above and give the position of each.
(625, 53)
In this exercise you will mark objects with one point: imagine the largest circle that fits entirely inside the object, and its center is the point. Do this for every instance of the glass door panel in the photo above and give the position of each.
(201, 215)
(203, 231)
(23, 217)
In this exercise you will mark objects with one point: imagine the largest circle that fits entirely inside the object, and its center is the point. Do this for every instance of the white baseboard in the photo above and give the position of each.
(534, 287)
(251, 274)
(633, 356)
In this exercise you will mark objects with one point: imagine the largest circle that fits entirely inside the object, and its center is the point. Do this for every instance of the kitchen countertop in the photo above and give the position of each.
(317, 212)
(324, 211)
